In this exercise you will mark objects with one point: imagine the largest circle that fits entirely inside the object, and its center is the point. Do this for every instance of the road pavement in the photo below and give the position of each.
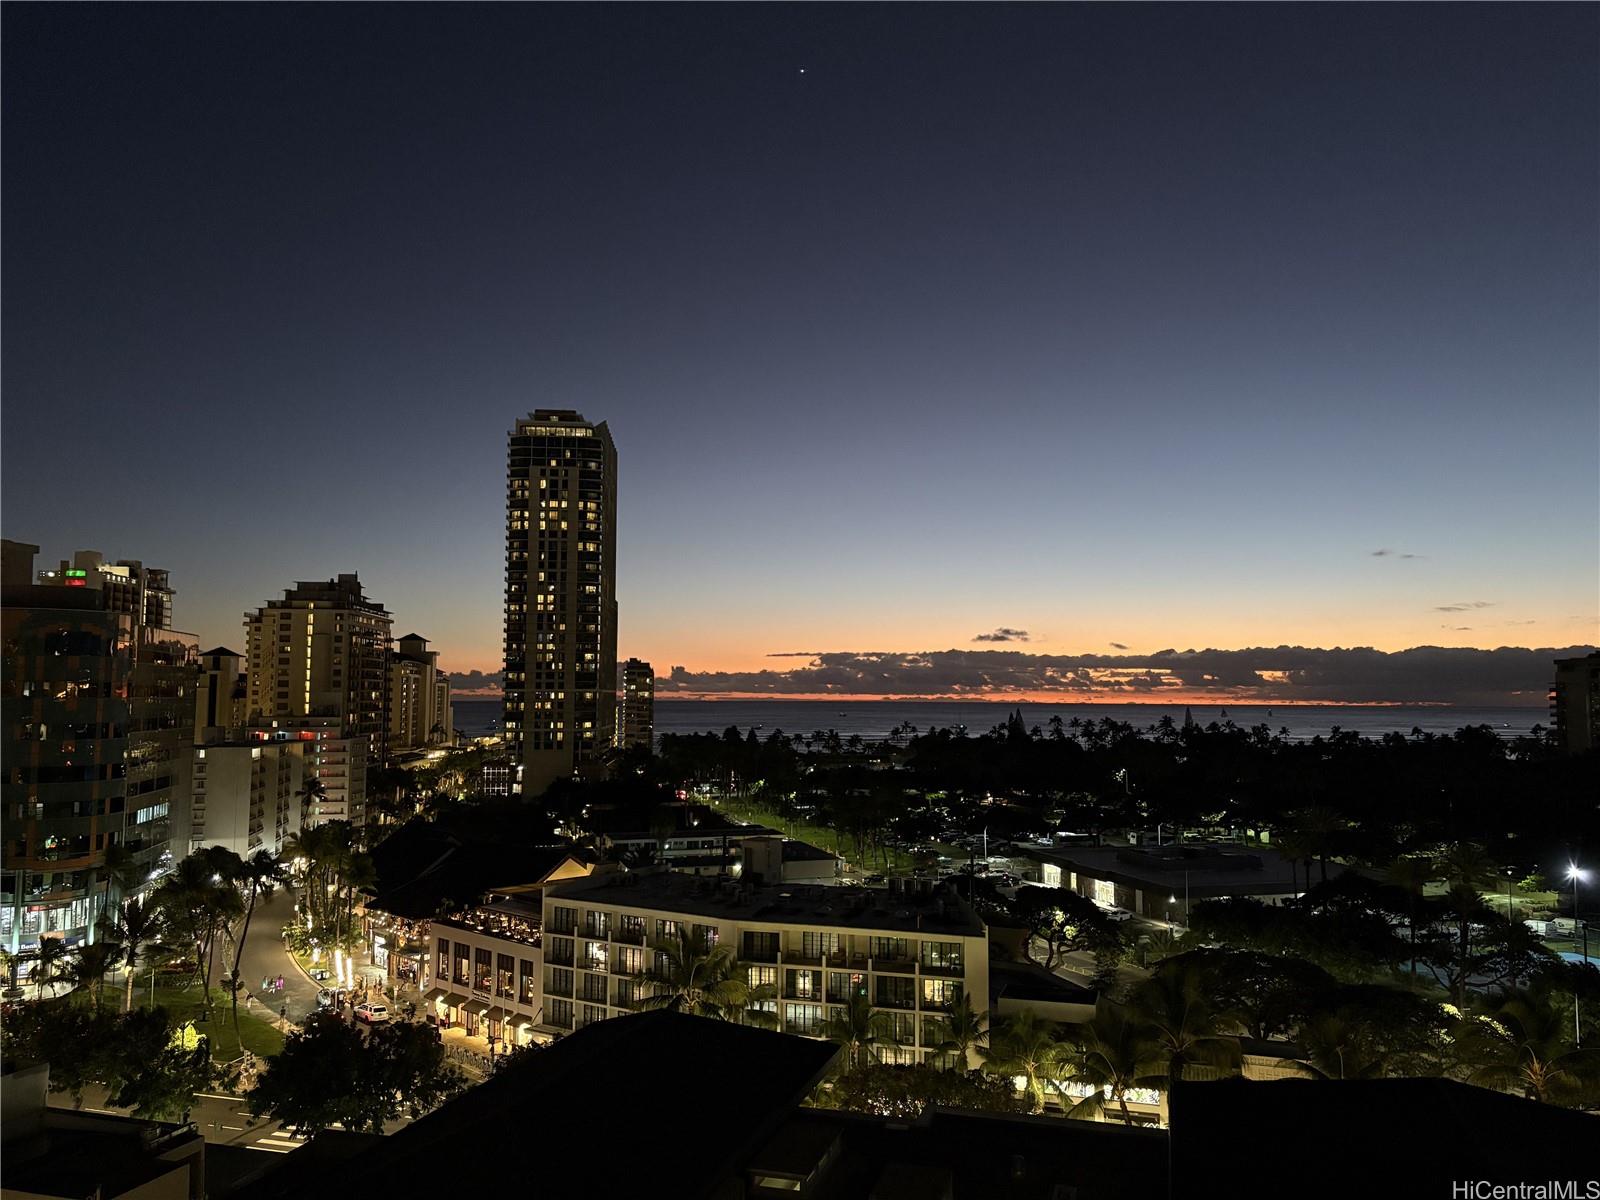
(220, 1119)
(266, 956)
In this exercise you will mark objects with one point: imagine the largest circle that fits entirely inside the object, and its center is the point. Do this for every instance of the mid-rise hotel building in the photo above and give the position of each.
(561, 608)
(419, 697)
(911, 953)
(318, 672)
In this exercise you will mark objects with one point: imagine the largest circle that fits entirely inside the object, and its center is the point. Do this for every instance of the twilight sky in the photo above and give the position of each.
(918, 328)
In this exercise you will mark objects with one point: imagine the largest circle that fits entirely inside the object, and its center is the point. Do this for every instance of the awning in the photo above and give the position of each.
(433, 994)
(476, 1007)
(496, 1014)
(518, 1021)
(454, 999)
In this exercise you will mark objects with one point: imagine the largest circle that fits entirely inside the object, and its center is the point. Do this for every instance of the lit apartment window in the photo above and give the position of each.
(844, 984)
(818, 945)
(939, 993)
(803, 1019)
(942, 956)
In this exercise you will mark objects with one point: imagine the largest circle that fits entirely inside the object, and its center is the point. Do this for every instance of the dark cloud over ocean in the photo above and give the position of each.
(1422, 675)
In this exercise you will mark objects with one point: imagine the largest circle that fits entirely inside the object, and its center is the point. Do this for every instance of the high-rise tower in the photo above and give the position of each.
(638, 723)
(561, 606)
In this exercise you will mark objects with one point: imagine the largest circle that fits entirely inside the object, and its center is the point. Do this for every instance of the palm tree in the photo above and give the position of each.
(964, 1029)
(199, 902)
(1412, 875)
(858, 1031)
(259, 876)
(140, 926)
(689, 976)
(90, 966)
(1113, 1053)
(1467, 870)
(47, 961)
(1523, 1046)
(1338, 1048)
(312, 793)
(117, 869)
(1026, 1046)
(758, 1008)
(1183, 1025)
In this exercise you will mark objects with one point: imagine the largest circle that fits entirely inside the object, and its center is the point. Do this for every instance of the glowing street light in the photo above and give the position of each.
(1578, 875)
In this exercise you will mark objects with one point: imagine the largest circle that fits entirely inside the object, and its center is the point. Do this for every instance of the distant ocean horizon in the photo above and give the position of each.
(873, 719)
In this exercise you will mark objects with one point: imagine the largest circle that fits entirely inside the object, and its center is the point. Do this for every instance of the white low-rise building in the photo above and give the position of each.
(912, 949)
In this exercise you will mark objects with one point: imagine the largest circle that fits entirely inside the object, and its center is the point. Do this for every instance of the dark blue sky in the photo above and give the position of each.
(1129, 324)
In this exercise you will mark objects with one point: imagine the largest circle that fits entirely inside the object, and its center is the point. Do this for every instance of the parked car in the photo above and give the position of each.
(326, 998)
(372, 1013)
(1115, 913)
(321, 974)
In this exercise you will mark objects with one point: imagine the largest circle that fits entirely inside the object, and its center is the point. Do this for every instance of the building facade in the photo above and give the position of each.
(97, 712)
(419, 697)
(221, 692)
(336, 762)
(317, 666)
(560, 609)
(913, 950)
(246, 795)
(1575, 703)
(321, 651)
(636, 725)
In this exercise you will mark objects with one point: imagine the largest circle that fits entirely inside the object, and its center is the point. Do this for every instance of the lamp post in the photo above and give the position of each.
(1577, 874)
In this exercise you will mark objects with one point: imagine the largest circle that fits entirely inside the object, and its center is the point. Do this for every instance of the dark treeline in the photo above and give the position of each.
(1343, 796)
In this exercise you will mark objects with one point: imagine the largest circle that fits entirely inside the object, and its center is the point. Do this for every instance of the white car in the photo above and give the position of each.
(372, 1014)
(1116, 914)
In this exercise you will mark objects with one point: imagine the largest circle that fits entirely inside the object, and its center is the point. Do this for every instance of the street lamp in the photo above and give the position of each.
(1577, 875)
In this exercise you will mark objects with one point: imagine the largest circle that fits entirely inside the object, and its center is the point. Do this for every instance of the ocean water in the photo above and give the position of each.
(873, 719)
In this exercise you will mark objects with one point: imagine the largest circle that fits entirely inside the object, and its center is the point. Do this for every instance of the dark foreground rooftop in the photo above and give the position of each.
(1378, 1137)
(659, 1101)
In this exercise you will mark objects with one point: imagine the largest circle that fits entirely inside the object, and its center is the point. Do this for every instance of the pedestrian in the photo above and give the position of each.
(266, 984)
(280, 983)
(283, 1011)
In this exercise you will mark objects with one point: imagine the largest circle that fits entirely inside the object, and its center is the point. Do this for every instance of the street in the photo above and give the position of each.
(265, 956)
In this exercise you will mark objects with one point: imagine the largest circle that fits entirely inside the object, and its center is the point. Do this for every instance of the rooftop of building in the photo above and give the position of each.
(66, 1152)
(220, 652)
(938, 910)
(794, 851)
(964, 1155)
(1029, 982)
(553, 1122)
(423, 870)
(1210, 869)
(1408, 1137)
(344, 590)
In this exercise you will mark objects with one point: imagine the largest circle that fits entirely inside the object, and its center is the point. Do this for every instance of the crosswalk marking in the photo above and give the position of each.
(279, 1141)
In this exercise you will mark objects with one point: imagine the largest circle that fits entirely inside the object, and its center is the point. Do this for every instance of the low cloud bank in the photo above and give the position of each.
(1282, 674)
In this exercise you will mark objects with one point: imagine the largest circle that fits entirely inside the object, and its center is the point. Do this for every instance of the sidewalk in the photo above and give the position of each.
(471, 1054)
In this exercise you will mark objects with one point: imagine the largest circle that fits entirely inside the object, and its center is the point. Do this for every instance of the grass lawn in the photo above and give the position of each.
(807, 831)
(183, 1004)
